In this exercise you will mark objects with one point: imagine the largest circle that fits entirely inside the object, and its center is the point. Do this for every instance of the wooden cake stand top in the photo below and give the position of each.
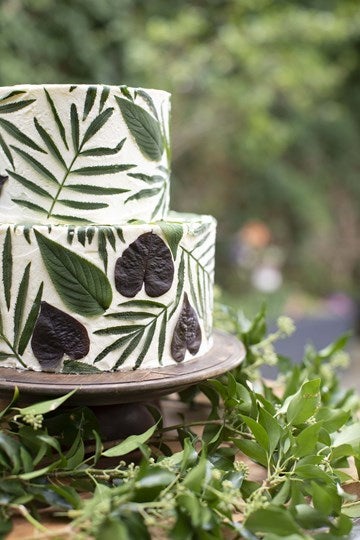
(107, 388)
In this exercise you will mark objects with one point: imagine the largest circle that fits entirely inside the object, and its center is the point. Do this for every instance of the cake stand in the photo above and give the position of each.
(121, 395)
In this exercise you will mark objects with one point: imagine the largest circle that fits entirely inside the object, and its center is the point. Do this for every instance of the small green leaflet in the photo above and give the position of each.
(7, 266)
(96, 125)
(6, 151)
(89, 101)
(56, 116)
(102, 169)
(173, 233)
(96, 190)
(82, 286)
(103, 151)
(144, 194)
(30, 322)
(20, 303)
(29, 185)
(104, 96)
(75, 127)
(46, 406)
(49, 142)
(73, 366)
(143, 127)
(130, 444)
(15, 132)
(14, 93)
(36, 164)
(82, 205)
(17, 106)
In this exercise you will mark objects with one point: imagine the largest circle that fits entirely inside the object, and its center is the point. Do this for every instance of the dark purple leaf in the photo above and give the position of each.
(56, 333)
(187, 333)
(147, 260)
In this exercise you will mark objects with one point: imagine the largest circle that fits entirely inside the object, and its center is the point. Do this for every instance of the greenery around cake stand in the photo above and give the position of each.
(301, 431)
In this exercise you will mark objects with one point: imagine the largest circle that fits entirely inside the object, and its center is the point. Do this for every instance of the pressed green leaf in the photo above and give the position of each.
(118, 330)
(104, 96)
(173, 233)
(30, 322)
(148, 100)
(6, 151)
(180, 285)
(96, 170)
(73, 366)
(162, 336)
(13, 93)
(120, 234)
(75, 127)
(82, 205)
(96, 125)
(30, 205)
(142, 304)
(81, 235)
(147, 178)
(103, 151)
(305, 402)
(49, 142)
(130, 348)
(71, 219)
(89, 101)
(144, 128)
(17, 106)
(96, 190)
(144, 194)
(113, 346)
(130, 444)
(130, 315)
(57, 119)
(45, 406)
(7, 267)
(146, 345)
(29, 184)
(39, 167)
(15, 132)
(110, 237)
(20, 303)
(90, 233)
(82, 286)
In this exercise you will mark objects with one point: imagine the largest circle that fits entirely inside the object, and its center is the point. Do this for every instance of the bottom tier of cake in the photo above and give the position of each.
(82, 299)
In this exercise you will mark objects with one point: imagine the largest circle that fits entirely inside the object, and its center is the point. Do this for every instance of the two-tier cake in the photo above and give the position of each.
(96, 274)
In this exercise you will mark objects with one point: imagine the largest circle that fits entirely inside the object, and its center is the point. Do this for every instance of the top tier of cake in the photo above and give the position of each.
(83, 154)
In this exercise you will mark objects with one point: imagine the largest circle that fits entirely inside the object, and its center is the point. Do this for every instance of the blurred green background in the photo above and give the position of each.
(265, 124)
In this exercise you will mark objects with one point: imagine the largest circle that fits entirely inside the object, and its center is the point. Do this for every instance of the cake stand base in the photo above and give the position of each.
(119, 398)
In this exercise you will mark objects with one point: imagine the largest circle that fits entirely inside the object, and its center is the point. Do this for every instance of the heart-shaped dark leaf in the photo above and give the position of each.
(187, 333)
(147, 260)
(56, 333)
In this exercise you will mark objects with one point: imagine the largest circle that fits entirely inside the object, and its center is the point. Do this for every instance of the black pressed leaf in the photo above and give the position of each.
(187, 333)
(104, 96)
(148, 260)
(96, 190)
(173, 233)
(144, 194)
(17, 106)
(144, 128)
(20, 303)
(73, 366)
(56, 333)
(36, 164)
(49, 142)
(82, 286)
(2, 181)
(30, 322)
(102, 151)
(89, 101)
(75, 127)
(6, 151)
(7, 267)
(82, 205)
(30, 185)
(15, 132)
(97, 124)
(30, 205)
(102, 169)
(57, 119)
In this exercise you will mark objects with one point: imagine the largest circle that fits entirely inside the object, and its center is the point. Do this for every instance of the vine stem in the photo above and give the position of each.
(55, 199)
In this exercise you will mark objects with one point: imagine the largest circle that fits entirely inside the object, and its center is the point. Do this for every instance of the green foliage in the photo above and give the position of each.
(301, 431)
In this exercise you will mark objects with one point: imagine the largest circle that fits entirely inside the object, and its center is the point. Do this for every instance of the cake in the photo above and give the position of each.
(96, 273)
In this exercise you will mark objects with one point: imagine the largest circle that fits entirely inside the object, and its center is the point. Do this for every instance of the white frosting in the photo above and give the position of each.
(17, 127)
(195, 254)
